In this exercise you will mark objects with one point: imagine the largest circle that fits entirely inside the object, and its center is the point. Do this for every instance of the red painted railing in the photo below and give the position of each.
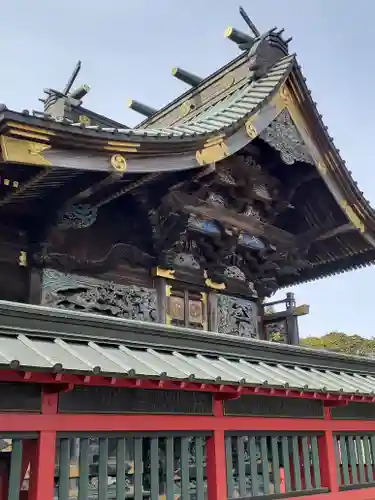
(41, 451)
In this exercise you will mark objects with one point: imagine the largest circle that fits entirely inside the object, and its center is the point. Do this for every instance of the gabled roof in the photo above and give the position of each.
(182, 136)
(226, 117)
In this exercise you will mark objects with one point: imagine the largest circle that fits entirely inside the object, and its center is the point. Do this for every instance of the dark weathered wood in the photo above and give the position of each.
(212, 311)
(273, 407)
(35, 286)
(186, 77)
(116, 400)
(250, 224)
(20, 397)
(160, 286)
(354, 411)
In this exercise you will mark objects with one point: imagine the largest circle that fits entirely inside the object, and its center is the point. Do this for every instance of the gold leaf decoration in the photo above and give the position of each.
(185, 108)
(213, 151)
(352, 216)
(212, 284)
(21, 151)
(164, 273)
(250, 129)
(285, 95)
(322, 167)
(227, 81)
(22, 259)
(118, 163)
(84, 120)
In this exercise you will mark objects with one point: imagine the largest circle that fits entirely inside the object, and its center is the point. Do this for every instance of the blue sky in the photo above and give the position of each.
(128, 49)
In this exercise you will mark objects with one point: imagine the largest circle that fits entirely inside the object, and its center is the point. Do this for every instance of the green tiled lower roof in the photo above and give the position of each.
(35, 338)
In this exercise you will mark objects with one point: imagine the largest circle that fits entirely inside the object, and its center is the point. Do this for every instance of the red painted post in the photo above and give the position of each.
(42, 468)
(216, 465)
(327, 456)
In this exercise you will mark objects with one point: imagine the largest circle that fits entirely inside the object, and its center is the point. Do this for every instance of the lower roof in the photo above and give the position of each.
(35, 338)
(122, 360)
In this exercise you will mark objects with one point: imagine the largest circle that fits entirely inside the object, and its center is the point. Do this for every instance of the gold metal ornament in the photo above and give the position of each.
(352, 216)
(250, 129)
(227, 81)
(285, 95)
(22, 259)
(164, 273)
(21, 151)
(185, 108)
(322, 167)
(213, 151)
(211, 284)
(84, 120)
(118, 163)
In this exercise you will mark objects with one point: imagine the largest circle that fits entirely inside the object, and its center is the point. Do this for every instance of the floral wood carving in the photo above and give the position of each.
(276, 332)
(186, 260)
(78, 217)
(237, 316)
(92, 295)
(235, 273)
(283, 136)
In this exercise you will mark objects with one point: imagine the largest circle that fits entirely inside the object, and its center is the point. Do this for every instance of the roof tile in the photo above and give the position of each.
(122, 360)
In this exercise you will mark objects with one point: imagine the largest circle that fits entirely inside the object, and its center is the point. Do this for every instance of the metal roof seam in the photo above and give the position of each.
(73, 353)
(105, 353)
(31, 345)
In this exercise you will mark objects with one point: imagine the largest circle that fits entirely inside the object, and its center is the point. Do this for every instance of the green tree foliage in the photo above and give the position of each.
(341, 342)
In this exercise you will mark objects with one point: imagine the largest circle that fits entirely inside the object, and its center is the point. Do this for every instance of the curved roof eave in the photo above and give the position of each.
(333, 168)
(211, 137)
(295, 97)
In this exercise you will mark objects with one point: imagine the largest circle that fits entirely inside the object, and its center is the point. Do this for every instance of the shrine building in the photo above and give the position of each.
(141, 355)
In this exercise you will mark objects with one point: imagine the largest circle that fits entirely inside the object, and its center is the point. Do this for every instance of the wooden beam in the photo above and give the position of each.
(191, 204)
(35, 286)
(141, 108)
(306, 239)
(94, 188)
(10, 197)
(186, 77)
(345, 228)
(237, 36)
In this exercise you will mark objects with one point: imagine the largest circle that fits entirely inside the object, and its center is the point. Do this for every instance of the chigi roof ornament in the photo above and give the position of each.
(58, 102)
(264, 50)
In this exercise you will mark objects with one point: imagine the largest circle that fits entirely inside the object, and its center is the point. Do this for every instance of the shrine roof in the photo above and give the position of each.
(35, 338)
(226, 116)
(194, 131)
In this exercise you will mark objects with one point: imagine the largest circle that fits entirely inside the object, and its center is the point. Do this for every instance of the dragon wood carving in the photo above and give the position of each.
(92, 295)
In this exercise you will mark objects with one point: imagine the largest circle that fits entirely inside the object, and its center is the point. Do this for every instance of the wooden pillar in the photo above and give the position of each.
(216, 466)
(291, 320)
(160, 286)
(327, 458)
(42, 467)
(4, 477)
(35, 286)
(213, 311)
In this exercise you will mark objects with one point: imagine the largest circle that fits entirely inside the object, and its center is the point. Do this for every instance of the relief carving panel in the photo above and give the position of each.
(276, 332)
(237, 316)
(283, 135)
(79, 293)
